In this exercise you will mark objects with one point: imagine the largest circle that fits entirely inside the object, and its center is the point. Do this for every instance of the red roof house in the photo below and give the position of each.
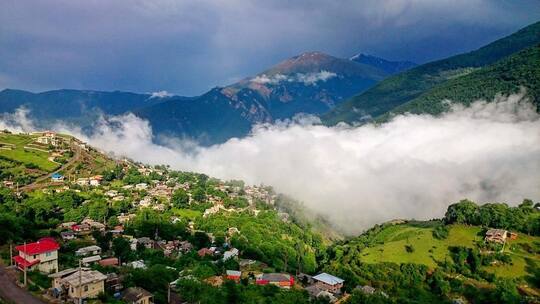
(41, 255)
(109, 262)
(283, 280)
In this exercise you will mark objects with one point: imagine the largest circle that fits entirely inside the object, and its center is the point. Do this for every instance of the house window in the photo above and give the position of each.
(72, 290)
(48, 254)
(85, 287)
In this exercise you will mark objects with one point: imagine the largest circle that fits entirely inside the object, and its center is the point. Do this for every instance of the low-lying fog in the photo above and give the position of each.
(411, 167)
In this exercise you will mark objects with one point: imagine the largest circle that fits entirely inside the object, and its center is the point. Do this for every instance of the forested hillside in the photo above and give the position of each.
(509, 75)
(402, 88)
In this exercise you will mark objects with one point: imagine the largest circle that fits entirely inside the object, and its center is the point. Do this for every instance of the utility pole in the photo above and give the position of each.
(80, 282)
(24, 266)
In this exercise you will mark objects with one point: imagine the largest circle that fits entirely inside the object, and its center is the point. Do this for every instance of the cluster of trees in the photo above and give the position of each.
(524, 218)
(283, 246)
(509, 75)
(230, 292)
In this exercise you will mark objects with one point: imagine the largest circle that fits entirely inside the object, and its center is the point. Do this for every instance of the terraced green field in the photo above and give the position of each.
(28, 157)
(427, 250)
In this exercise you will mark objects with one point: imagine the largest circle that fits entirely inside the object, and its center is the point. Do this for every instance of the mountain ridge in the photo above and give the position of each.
(404, 87)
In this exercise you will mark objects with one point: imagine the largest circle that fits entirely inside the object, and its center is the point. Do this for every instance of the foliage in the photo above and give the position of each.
(405, 87)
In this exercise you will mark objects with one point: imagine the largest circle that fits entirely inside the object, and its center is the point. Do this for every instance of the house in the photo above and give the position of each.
(57, 277)
(83, 181)
(328, 282)
(137, 295)
(57, 177)
(122, 219)
(283, 280)
(316, 292)
(88, 250)
(233, 275)
(81, 229)
(137, 264)
(113, 282)
(41, 255)
(94, 224)
(366, 289)
(87, 261)
(229, 254)
(67, 235)
(204, 252)
(185, 246)
(48, 138)
(95, 180)
(84, 284)
(141, 186)
(496, 235)
(111, 193)
(109, 262)
(146, 242)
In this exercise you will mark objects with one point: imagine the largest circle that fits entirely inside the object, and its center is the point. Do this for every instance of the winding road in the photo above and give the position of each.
(12, 293)
(37, 183)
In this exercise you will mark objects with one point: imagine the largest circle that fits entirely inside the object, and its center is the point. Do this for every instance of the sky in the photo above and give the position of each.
(188, 47)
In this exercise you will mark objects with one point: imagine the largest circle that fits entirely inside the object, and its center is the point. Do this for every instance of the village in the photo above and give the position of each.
(90, 271)
(111, 230)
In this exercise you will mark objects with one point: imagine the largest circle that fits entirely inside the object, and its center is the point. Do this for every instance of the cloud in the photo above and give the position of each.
(306, 78)
(187, 47)
(160, 94)
(17, 121)
(410, 167)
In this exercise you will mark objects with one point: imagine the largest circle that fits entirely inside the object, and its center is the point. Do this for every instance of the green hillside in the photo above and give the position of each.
(430, 251)
(404, 87)
(521, 70)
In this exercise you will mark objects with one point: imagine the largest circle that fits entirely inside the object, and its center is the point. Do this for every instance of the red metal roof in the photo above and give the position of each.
(41, 246)
(109, 262)
(24, 263)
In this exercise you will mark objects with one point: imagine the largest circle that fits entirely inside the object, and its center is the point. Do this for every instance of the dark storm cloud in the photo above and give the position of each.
(187, 47)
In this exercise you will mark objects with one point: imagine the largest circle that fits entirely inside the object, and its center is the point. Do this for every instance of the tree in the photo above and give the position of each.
(180, 199)
(122, 249)
(461, 212)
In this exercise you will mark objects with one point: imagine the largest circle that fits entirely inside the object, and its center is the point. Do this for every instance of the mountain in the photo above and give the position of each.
(312, 83)
(390, 67)
(509, 75)
(73, 105)
(404, 87)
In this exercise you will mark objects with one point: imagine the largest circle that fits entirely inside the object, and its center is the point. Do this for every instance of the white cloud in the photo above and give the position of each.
(411, 167)
(306, 78)
(160, 94)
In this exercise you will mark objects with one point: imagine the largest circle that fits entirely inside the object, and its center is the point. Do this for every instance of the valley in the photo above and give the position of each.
(180, 227)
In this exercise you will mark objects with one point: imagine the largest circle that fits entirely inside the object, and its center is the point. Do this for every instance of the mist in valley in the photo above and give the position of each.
(411, 167)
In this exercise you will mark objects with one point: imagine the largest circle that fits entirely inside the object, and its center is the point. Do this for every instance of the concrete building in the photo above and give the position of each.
(41, 255)
(84, 284)
(137, 295)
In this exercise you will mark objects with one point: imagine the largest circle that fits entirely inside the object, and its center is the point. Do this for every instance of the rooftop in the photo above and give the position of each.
(328, 279)
(134, 294)
(41, 246)
(85, 277)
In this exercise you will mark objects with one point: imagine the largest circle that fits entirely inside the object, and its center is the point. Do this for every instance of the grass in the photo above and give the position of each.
(427, 250)
(25, 156)
(392, 242)
(186, 213)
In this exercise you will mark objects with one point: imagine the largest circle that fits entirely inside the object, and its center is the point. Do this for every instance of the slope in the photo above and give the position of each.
(521, 70)
(404, 87)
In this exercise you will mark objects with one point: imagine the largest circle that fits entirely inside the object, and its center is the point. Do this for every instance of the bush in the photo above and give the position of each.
(440, 232)
(409, 248)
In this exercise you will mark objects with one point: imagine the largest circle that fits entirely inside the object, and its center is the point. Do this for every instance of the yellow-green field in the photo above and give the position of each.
(428, 250)
(26, 156)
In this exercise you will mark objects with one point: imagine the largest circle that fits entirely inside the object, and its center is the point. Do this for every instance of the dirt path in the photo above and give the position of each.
(37, 183)
(12, 293)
